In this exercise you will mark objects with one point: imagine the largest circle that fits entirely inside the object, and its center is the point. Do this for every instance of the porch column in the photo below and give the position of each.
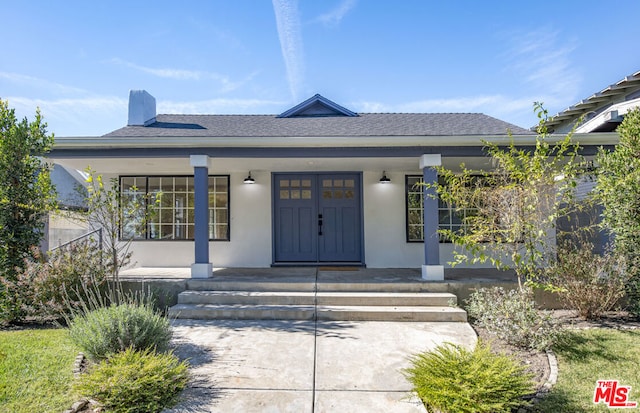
(202, 268)
(431, 270)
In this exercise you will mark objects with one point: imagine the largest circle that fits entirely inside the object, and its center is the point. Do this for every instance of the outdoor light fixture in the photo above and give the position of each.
(384, 179)
(249, 179)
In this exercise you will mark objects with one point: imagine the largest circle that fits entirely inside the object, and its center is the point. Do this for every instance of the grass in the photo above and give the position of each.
(36, 370)
(585, 356)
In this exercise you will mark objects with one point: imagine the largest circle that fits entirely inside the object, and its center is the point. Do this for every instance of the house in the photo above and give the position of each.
(600, 113)
(63, 225)
(317, 184)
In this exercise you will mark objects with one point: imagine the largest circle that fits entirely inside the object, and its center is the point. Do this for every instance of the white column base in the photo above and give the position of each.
(201, 270)
(433, 272)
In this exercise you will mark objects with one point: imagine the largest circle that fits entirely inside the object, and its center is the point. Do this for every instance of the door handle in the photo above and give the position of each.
(319, 224)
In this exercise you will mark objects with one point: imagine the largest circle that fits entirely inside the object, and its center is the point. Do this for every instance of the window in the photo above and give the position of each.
(167, 202)
(448, 217)
(415, 208)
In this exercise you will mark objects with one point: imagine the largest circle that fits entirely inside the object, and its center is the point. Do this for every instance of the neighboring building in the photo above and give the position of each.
(316, 185)
(64, 225)
(601, 112)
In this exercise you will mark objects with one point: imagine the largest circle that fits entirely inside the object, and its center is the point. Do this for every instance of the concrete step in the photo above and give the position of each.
(242, 312)
(321, 298)
(392, 313)
(235, 285)
(399, 299)
(310, 286)
(247, 297)
(324, 313)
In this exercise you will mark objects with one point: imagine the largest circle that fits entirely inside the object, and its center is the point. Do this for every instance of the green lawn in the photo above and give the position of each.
(586, 356)
(36, 370)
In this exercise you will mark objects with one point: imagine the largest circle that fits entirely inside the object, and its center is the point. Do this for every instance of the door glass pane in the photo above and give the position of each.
(306, 183)
(327, 183)
(326, 194)
(306, 194)
(337, 183)
(295, 183)
(284, 194)
(284, 183)
(295, 194)
(348, 194)
(337, 194)
(349, 183)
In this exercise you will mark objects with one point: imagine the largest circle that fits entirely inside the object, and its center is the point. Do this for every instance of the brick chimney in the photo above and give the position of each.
(142, 108)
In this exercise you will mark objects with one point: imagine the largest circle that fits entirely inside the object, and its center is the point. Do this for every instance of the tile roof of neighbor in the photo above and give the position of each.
(365, 124)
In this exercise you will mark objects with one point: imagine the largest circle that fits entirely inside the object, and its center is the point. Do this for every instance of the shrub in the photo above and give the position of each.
(588, 283)
(47, 289)
(135, 381)
(453, 379)
(109, 330)
(618, 190)
(512, 316)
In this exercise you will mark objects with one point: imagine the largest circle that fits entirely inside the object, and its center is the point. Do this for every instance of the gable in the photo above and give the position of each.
(317, 106)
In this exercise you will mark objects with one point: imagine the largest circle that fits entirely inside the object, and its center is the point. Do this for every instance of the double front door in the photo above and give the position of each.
(317, 218)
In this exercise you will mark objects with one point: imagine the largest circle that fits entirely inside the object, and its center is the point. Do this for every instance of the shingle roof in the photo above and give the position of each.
(365, 124)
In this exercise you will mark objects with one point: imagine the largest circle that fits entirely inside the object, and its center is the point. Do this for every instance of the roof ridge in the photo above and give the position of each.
(359, 113)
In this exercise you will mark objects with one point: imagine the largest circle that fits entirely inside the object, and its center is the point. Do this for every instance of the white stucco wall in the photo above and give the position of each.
(384, 224)
(251, 241)
(250, 244)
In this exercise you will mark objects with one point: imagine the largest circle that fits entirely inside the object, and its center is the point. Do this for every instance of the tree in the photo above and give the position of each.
(510, 211)
(116, 213)
(618, 189)
(26, 192)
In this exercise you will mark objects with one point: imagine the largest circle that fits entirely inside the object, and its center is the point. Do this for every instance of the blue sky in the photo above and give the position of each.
(77, 60)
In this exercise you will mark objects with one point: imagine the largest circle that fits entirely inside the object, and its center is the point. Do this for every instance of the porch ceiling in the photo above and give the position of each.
(228, 165)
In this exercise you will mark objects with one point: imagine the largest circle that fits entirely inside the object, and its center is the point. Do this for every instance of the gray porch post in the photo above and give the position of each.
(202, 268)
(431, 270)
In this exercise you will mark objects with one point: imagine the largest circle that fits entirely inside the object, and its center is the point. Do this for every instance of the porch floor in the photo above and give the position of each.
(323, 274)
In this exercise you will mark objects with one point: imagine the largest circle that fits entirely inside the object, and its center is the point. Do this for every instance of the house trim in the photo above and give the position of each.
(291, 152)
(77, 143)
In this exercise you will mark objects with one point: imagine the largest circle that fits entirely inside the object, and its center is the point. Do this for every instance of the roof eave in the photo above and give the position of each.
(79, 143)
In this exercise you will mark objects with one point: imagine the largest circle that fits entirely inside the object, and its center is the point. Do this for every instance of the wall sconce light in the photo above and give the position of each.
(249, 179)
(385, 179)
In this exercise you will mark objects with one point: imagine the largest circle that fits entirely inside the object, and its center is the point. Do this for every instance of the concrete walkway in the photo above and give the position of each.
(305, 366)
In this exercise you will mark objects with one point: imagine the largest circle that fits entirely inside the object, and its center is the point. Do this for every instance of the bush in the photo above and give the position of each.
(588, 283)
(48, 289)
(453, 379)
(512, 316)
(109, 330)
(135, 381)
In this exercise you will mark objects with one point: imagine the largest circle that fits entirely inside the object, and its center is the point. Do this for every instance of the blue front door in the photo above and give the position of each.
(317, 218)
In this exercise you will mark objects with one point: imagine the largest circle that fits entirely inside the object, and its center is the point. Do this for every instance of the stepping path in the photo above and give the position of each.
(305, 366)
